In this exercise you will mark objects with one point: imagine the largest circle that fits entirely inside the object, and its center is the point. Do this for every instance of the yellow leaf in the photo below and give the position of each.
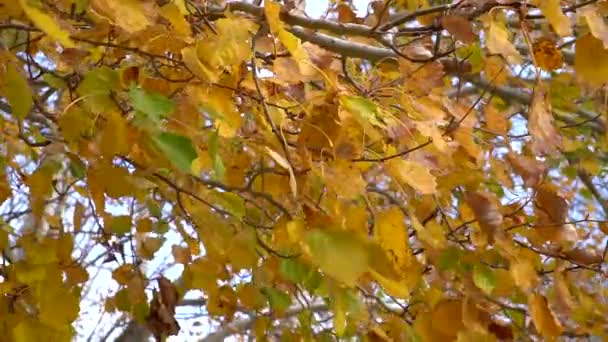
(344, 179)
(447, 318)
(413, 174)
(114, 137)
(284, 163)
(291, 42)
(498, 42)
(47, 24)
(545, 137)
(391, 233)
(542, 316)
(396, 288)
(149, 245)
(596, 23)
(524, 274)
(130, 15)
(338, 254)
(17, 92)
(181, 5)
(552, 11)
(190, 58)
(339, 309)
(172, 13)
(591, 61)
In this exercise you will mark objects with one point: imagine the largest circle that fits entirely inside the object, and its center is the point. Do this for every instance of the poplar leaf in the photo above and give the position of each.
(216, 158)
(498, 42)
(545, 137)
(155, 106)
(591, 61)
(545, 322)
(176, 148)
(413, 174)
(484, 278)
(284, 163)
(129, 15)
(524, 274)
(278, 299)
(596, 23)
(391, 233)
(292, 43)
(553, 12)
(17, 92)
(339, 254)
(47, 24)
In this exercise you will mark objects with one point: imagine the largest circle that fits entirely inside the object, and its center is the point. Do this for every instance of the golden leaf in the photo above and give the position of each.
(498, 42)
(545, 322)
(553, 12)
(591, 61)
(524, 274)
(47, 24)
(596, 23)
(291, 42)
(391, 233)
(130, 15)
(413, 174)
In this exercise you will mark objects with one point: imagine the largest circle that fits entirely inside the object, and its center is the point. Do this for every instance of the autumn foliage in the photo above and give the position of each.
(420, 171)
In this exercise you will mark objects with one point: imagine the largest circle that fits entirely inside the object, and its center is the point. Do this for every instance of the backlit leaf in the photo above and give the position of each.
(130, 15)
(47, 24)
(591, 60)
(553, 12)
(413, 174)
(176, 148)
(542, 316)
(155, 106)
(484, 278)
(499, 42)
(17, 92)
(338, 254)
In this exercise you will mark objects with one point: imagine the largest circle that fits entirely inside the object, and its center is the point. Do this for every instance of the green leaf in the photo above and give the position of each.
(17, 92)
(294, 270)
(278, 299)
(484, 278)
(177, 148)
(449, 259)
(154, 106)
(213, 148)
(366, 109)
(96, 87)
(119, 225)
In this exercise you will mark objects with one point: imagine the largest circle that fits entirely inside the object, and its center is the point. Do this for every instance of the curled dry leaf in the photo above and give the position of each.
(584, 256)
(460, 27)
(531, 170)
(545, 137)
(485, 208)
(161, 319)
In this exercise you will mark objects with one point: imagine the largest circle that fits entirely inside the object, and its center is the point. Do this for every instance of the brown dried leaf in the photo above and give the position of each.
(459, 27)
(545, 137)
(584, 256)
(485, 208)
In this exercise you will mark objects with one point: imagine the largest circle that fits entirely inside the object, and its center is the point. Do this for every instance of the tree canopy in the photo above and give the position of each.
(418, 170)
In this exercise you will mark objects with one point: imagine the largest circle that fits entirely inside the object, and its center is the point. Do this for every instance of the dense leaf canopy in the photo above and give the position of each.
(418, 170)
